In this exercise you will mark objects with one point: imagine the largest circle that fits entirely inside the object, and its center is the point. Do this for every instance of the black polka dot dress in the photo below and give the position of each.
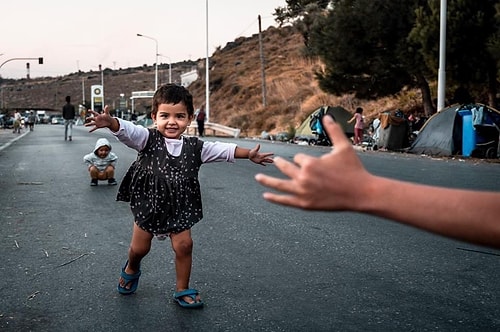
(163, 190)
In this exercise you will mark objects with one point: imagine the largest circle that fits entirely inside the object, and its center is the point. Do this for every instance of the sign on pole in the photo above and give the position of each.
(97, 96)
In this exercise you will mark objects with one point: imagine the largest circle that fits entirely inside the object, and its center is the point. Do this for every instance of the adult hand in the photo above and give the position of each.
(333, 181)
(337, 181)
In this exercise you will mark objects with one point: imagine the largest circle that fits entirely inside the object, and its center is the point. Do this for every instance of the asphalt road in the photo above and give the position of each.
(258, 266)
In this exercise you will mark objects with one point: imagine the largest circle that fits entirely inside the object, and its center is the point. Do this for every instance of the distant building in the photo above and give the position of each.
(188, 78)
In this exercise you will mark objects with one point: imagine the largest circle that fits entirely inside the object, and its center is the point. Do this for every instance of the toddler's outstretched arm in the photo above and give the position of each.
(254, 155)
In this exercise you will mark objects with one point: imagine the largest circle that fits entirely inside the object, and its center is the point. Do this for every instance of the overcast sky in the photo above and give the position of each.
(79, 35)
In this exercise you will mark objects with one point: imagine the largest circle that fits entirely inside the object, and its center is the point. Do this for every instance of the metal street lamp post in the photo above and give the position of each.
(207, 66)
(442, 57)
(102, 76)
(169, 67)
(83, 91)
(156, 54)
(40, 61)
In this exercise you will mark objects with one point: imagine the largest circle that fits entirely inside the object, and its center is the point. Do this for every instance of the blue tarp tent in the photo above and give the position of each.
(468, 130)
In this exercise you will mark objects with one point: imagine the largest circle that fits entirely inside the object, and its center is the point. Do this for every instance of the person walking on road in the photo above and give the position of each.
(17, 122)
(200, 120)
(68, 113)
(31, 119)
(101, 163)
(162, 185)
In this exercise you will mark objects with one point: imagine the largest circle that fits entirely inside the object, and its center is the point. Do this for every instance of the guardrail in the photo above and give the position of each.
(215, 127)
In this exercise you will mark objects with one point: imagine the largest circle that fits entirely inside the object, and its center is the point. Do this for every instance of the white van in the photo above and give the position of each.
(42, 117)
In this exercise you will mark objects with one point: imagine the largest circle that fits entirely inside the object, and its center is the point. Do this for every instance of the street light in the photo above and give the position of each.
(442, 57)
(40, 62)
(156, 54)
(169, 67)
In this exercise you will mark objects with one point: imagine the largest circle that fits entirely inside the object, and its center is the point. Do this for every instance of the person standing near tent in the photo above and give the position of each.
(359, 126)
(376, 132)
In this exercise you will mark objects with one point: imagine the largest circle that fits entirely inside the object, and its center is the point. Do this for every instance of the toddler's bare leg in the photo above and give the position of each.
(110, 172)
(182, 244)
(139, 247)
(94, 172)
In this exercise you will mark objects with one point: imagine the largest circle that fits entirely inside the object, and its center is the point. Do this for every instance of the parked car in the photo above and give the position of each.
(43, 118)
(145, 121)
(6, 121)
(57, 120)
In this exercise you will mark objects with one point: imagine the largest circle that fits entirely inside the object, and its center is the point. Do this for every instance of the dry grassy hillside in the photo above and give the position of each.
(292, 92)
(236, 89)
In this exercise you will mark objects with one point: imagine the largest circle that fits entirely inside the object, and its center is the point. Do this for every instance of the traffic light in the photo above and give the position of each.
(40, 61)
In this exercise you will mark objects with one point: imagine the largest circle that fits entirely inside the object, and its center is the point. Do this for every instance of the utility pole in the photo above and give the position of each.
(207, 71)
(262, 66)
(442, 58)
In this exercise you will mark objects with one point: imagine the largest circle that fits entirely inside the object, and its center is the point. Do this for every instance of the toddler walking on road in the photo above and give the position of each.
(162, 184)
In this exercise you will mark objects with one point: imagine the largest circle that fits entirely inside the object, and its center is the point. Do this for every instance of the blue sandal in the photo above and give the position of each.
(132, 279)
(192, 293)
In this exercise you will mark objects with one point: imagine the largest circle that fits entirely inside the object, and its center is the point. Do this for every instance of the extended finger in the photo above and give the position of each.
(286, 167)
(288, 200)
(335, 132)
(301, 159)
(267, 155)
(265, 161)
(284, 185)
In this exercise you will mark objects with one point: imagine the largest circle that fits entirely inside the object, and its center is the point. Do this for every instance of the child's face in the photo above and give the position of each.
(102, 152)
(172, 120)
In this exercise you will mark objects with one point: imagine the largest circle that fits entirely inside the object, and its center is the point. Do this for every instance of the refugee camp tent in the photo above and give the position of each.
(467, 130)
(393, 131)
(340, 114)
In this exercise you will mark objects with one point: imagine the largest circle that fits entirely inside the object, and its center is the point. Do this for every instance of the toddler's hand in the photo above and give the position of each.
(99, 120)
(260, 158)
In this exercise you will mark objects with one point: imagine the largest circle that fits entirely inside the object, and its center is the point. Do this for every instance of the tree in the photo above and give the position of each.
(364, 47)
(303, 14)
(473, 25)
(471, 54)
(493, 46)
(297, 9)
(375, 48)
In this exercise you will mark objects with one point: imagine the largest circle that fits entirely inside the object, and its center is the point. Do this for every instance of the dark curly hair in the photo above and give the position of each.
(173, 94)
